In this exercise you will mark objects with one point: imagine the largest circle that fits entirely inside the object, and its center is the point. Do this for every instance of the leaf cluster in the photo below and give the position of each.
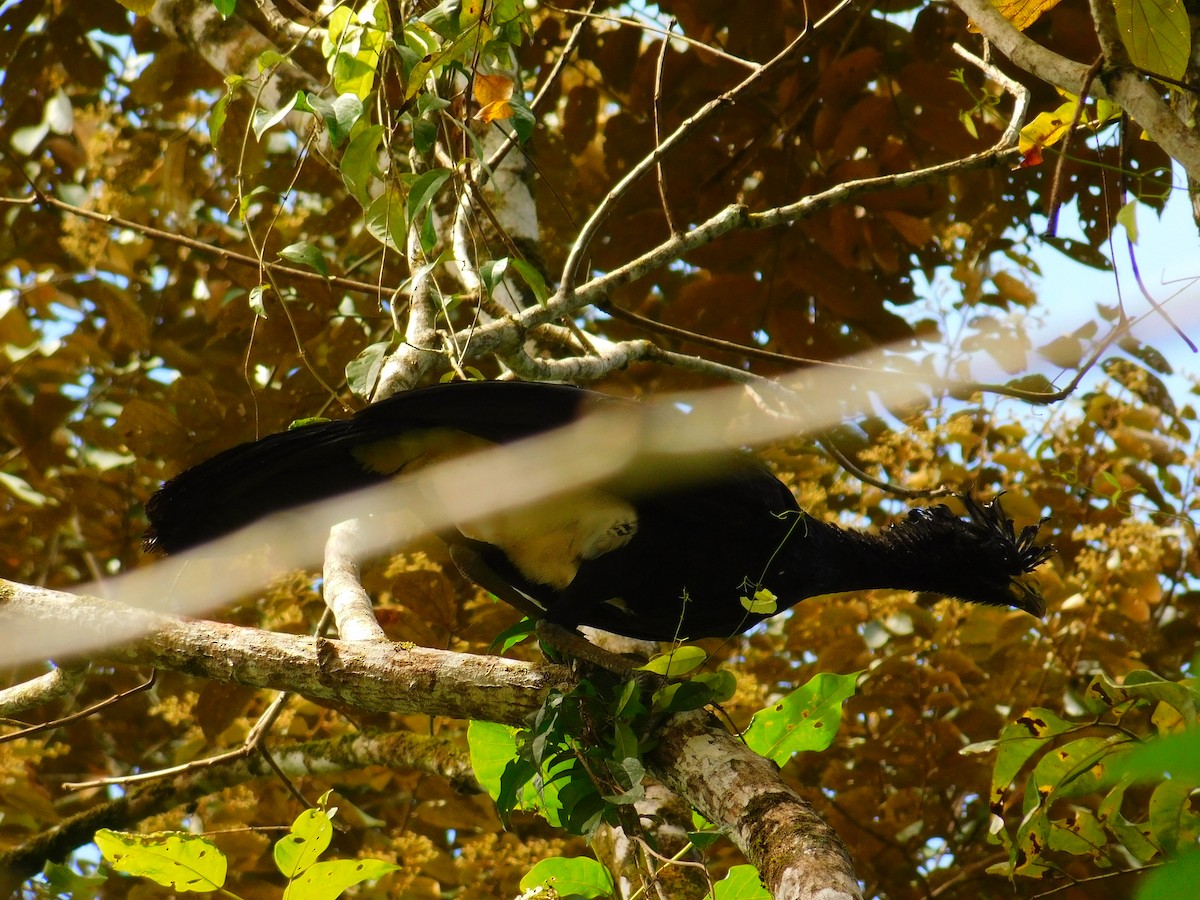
(1080, 777)
(191, 863)
(581, 760)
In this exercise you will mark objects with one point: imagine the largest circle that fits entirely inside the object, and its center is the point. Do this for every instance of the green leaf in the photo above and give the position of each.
(1080, 251)
(740, 883)
(1019, 741)
(1127, 216)
(722, 684)
(522, 120)
(1141, 685)
(1172, 821)
(363, 371)
(629, 773)
(248, 198)
(1157, 35)
(491, 273)
(629, 702)
(422, 191)
(385, 219)
(269, 59)
(224, 7)
(444, 18)
(216, 118)
(339, 115)
(353, 45)
(424, 135)
(583, 809)
(300, 848)
(680, 696)
(581, 876)
(1074, 769)
(64, 881)
(1177, 879)
(1034, 383)
(1176, 756)
(306, 254)
(1134, 838)
(257, 300)
(625, 742)
(328, 880)
(493, 749)
(806, 719)
(702, 840)
(678, 662)
(513, 635)
(1081, 834)
(458, 48)
(532, 277)
(360, 162)
(265, 119)
(183, 862)
(1033, 837)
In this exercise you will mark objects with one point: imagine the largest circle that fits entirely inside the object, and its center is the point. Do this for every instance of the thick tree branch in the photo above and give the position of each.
(716, 773)
(731, 785)
(59, 681)
(369, 675)
(342, 590)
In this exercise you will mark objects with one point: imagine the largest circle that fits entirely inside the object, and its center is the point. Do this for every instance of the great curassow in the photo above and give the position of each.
(699, 558)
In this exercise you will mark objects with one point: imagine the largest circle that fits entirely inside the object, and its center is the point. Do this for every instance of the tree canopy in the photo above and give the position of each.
(223, 217)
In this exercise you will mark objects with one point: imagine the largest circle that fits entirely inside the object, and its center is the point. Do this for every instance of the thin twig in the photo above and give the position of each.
(685, 129)
(646, 26)
(657, 107)
(1158, 308)
(180, 240)
(1053, 204)
(866, 478)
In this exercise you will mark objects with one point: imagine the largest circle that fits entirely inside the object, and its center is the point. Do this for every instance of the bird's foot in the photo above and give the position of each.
(573, 645)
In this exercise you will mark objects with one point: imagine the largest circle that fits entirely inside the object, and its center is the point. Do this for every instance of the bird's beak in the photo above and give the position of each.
(1027, 597)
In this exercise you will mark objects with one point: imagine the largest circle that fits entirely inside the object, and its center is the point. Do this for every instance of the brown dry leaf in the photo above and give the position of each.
(914, 230)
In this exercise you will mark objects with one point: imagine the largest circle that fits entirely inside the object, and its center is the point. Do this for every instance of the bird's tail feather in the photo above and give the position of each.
(247, 482)
(318, 461)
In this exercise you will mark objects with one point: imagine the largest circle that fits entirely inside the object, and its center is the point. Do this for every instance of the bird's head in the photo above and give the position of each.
(981, 559)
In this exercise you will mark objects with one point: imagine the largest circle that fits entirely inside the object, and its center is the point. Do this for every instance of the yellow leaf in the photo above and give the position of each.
(762, 604)
(501, 109)
(492, 93)
(470, 12)
(491, 89)
(1048, 128)
(138, 7)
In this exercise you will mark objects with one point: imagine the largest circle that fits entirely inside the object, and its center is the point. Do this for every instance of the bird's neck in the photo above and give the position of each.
(820, 558)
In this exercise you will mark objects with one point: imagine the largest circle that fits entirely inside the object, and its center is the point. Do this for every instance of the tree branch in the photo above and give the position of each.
(1120, 83)
(731, 785)
(734, 788)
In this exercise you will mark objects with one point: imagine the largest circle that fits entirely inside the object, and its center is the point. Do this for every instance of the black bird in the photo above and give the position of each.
(699, 558)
